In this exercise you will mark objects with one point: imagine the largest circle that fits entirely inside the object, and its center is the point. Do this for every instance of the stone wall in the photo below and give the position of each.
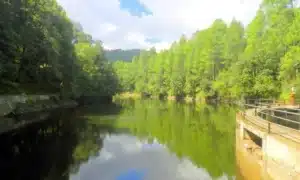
(9, 103)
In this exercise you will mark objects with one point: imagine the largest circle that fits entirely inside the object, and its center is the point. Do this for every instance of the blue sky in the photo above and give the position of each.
(135, 8)
(143, 24)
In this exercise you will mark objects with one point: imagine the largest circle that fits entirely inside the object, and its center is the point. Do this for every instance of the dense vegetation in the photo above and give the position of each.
(119, 54)
(225, 60)
(42, 51)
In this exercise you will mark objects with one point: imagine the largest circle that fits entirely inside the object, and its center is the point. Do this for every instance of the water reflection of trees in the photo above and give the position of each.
(52, 149)
(57, 147)
(204, 134)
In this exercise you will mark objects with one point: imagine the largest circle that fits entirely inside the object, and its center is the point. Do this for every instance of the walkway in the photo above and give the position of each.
(272, 127)
(280, 144)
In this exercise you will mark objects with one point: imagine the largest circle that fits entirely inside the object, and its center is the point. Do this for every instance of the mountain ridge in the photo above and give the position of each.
(120, 54)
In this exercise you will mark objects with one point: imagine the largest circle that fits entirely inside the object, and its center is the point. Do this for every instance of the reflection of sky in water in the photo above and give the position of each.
(126, 156)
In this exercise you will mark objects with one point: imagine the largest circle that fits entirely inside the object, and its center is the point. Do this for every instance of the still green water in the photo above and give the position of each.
(146, 139)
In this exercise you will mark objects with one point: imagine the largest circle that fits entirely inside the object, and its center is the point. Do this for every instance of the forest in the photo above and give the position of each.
(231, 60)
(43, 51)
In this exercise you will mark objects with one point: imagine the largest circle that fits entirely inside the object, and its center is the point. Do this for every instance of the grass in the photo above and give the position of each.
(127, 95)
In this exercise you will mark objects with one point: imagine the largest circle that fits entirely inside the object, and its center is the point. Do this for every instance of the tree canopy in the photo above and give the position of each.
(42, 51)
(225, 60)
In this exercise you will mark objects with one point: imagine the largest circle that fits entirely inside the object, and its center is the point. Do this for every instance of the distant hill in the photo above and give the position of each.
(119, 54)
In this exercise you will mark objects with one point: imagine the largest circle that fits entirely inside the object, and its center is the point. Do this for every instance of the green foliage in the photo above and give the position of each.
(227, 60)
(125, 74)
(40, 47)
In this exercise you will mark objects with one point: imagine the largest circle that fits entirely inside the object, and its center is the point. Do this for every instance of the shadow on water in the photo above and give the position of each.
(54, 148)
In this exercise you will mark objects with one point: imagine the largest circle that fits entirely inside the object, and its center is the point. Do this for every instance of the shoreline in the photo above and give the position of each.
(22, 104)
(187, 99)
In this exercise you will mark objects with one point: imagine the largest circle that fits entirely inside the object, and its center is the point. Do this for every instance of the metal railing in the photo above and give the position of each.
(267, 110)
(271, 102)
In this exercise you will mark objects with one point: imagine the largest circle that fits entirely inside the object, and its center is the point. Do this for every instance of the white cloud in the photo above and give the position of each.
(105, 155)
(128, 144)
(136, 37)
(170, 19)
(108, 28)
(187, 170)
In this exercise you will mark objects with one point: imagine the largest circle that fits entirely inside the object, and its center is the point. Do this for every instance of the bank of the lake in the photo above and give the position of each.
(135, 95)
(22, 104)
(128, 95)
(13, 108)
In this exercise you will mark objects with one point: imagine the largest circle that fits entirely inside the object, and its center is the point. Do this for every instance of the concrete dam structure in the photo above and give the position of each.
(271, 135)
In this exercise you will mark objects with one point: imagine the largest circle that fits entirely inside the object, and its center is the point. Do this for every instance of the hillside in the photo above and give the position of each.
(119, 54)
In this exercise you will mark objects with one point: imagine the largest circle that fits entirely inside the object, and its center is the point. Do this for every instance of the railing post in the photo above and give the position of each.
(298, 122)
(255, 110)
(286, 117)
(244, 110)
(269, 119)
(259, 103)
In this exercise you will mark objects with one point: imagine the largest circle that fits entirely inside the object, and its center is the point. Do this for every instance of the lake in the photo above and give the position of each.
(129, 140)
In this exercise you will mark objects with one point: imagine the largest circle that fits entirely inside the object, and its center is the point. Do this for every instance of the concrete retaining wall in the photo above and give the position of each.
(8, 103)
(281, 155)
(24, 98)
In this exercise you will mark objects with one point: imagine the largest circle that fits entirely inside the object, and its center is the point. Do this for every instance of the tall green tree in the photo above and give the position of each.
(43, 51)
(230, 60)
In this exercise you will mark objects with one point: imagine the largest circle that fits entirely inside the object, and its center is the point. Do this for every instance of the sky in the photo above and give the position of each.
(130, 24)
(154, 162)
